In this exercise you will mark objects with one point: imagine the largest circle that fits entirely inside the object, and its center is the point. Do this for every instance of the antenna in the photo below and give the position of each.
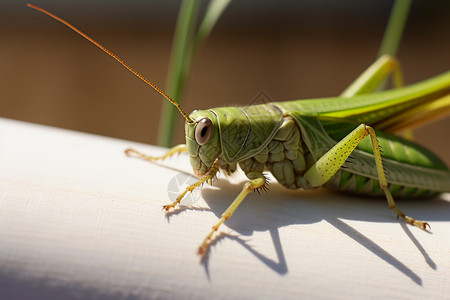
(185, 115)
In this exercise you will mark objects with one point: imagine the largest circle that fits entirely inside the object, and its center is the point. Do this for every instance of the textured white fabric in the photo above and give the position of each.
(80, 220)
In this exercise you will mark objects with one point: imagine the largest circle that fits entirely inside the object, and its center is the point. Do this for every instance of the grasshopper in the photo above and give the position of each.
(344, 143)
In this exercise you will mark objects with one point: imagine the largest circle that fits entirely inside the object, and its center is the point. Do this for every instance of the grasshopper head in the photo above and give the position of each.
(202, 141)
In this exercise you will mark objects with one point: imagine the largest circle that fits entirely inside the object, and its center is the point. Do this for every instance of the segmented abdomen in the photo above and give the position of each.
(345, 181)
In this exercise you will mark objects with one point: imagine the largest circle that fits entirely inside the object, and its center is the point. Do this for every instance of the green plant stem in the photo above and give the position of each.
(394, 31)
(395, 27)
(185, 44)
(213, 12)
(180, 60)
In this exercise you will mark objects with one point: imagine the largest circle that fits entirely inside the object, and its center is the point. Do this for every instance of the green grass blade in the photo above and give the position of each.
(185, 44)
(178, 69)
(394, 29)
(213, 12)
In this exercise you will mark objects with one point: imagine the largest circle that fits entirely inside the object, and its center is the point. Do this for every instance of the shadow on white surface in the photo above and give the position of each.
(278, 264)
(281, 207)
(20, 289)
(427, 258)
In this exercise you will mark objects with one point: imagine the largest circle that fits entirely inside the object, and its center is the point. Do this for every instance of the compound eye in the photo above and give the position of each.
(203, 131)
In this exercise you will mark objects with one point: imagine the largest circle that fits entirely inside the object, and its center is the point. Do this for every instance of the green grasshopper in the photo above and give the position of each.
(332, 142)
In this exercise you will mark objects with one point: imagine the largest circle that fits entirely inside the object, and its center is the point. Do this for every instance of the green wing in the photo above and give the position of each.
(381, 109)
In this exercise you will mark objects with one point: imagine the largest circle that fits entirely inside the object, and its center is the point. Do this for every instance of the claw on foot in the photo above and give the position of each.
(204, 247)
(128, 152)
(168, 207)
(421, 224)
(201, 251)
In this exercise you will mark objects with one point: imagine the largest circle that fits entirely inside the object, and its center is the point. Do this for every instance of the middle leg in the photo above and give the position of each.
(257, 181)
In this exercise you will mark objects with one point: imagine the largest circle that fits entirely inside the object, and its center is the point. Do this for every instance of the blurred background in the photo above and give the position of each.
(289, 49)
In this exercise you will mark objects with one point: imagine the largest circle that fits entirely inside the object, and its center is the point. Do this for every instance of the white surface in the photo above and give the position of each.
(78, 219)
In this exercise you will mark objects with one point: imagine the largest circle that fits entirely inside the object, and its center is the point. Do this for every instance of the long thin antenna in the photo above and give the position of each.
(185, 115)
